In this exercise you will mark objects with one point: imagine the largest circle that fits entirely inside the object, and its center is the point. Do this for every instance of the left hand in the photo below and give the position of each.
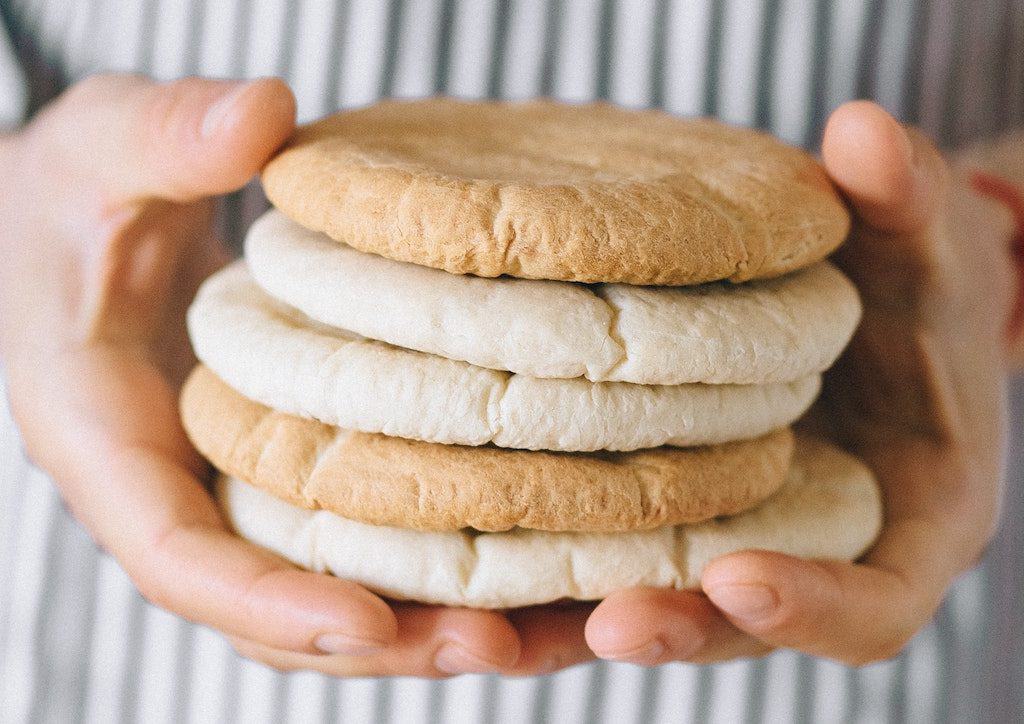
(106, 234)
(919, 396)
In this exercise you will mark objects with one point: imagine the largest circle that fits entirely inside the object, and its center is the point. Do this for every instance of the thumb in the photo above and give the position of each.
(892, 175)
(897, 184)
(181, 140)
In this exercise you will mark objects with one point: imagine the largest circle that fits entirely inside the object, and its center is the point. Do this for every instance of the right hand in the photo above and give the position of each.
(106, 236)
(919, 396)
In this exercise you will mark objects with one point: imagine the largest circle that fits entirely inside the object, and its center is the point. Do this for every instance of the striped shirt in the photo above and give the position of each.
(77, 642)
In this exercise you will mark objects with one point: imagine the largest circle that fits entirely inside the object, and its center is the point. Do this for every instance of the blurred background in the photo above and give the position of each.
(78, 642)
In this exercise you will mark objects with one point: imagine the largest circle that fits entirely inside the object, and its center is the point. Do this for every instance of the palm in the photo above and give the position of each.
(138, 317)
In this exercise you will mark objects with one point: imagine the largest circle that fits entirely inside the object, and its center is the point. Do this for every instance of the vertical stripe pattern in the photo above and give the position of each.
(78, 643)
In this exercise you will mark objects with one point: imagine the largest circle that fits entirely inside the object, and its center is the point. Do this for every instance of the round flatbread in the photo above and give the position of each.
(276, 356)
(542, 190)
(390, 481)
(776, 330)
(829, 508)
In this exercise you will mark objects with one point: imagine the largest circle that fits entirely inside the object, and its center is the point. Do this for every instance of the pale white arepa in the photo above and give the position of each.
(829, 508)
(776, 330)
(274, 355)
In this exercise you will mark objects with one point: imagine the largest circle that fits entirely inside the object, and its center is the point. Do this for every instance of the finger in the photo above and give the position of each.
(863, 612)
(651, 626)
(432, 642)
(178, 553)
(127, 472)
(552, 638)
(180, 140)
(896, 183)
(893, 176)
(856, 614)
(920, 288)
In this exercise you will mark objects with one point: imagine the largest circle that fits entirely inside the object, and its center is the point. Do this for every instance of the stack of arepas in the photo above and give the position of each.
(499, 354)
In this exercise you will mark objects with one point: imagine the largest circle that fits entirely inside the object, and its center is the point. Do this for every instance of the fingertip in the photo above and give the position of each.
(870, 157)
(615, 627)
(195, 137)
(782, 599)
(245, 128)
(752, 587)
(338, 616)
(271, 99)
(369, 612)
(647, 625)
(487, 638)
(608, 631)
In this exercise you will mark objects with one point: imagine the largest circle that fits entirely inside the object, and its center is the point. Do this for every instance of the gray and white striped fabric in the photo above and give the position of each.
(76, 640)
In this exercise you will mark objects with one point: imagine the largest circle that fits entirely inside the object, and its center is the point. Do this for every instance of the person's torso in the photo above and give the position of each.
(75, 637)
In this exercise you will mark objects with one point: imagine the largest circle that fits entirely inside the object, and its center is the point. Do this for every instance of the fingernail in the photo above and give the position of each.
(646, 655)
(748, 601)
(454, 659)
(219, 112)
(339, 643)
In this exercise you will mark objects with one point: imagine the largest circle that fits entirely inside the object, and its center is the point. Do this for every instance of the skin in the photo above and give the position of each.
(919, 395)
(107, 234)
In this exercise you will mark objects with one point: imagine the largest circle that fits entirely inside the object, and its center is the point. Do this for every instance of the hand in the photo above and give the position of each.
(919, 396)
(996, 170)
(106, 235)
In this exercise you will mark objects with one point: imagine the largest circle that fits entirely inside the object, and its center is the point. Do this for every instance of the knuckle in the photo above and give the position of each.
(154, 590)
(170, 111)
(90, 88)
(171, 117)
(792, 614)
(145, 573)
(786, 617)
(251, 595)
(96, 89)
(55, 132)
